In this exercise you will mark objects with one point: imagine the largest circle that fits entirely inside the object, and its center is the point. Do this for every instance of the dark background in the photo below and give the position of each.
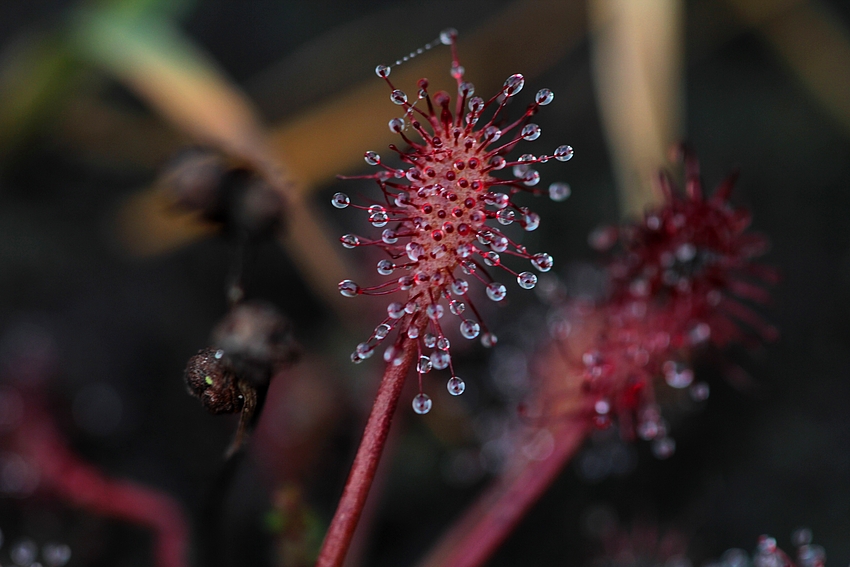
(118, 329)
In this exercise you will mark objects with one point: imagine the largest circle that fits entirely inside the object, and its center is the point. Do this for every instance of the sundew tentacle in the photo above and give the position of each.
(441, 212)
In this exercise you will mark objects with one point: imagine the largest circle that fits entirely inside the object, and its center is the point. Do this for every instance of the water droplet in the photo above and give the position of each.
(385, 267)
(457, 307)
(348, 288)
(372, 158)
(496, 291)
(381, 331)
(475, 104)
(421, 404)
(505, 216)
(492, 258)
(532, 221)
(686, 252)
(489, 340)
(219, 354)
(23, 552)
(801, 536)
(530, 132)
(350, 241)
(396, 125)
(447, 36)
(430, 340)
(443, 343)
(677, 375)
(649, 429)
(513, 85)
(735, 558)
(434, 311)
(365, 350)
(811, 556)
(395, 310)
(465, 250)
(405, 283)
(466, 89)
(379, 219)
(424, 365)
(398, 97)
(564, 153)
(519, 170)
(411, 307)
(460, 287)
(469, 328)
(526, 280)
(457, 71)
(340, 200)
(531, 178)
(440, 359)
(388, 236)
(497, 163)
(663, 447)
(55, 554)
(415, 251)
(559, 191)
(391, 353)
(455, 386)
(412, 332)
(382, 71)
(766, 544)
(491, 134)
(700, 392)
(544, 97)
(542, 261)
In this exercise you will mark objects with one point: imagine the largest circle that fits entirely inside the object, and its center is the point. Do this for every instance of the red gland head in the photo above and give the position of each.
(441, 212)
(693, 256)
(676, 285)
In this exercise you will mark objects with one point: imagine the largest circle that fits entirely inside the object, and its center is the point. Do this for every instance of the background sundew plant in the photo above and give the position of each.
(166, 177)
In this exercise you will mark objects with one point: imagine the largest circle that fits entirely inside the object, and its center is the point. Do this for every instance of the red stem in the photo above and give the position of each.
(82, 485)
(480, 531)
(341, 531)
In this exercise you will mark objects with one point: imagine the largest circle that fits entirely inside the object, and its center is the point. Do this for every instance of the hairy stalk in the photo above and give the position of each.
(351, 504)
(487, 523)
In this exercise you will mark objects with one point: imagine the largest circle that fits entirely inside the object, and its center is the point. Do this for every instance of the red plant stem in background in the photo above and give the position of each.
(351, 504)
(82, 485)
(473, 539)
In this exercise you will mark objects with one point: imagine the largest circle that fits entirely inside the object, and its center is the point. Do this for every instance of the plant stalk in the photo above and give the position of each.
(471, 540)
(351, 504)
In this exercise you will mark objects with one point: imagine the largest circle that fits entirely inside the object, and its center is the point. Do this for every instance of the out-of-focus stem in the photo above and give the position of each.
(80, 484)
(351, 504)
(637, 65)
(475, 536)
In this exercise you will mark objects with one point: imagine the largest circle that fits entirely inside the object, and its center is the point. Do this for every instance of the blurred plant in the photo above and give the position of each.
(24, 552)
(644, 544)
(641, 544)
(41, 462)
(669, 295)
(296, 526)
(768, 554)
(443, 211)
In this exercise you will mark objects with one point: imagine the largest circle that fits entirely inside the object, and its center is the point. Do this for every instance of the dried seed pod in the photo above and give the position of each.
(249, 345)
(210, 378)
(193, 178)
(256, 340)
(237, 197)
